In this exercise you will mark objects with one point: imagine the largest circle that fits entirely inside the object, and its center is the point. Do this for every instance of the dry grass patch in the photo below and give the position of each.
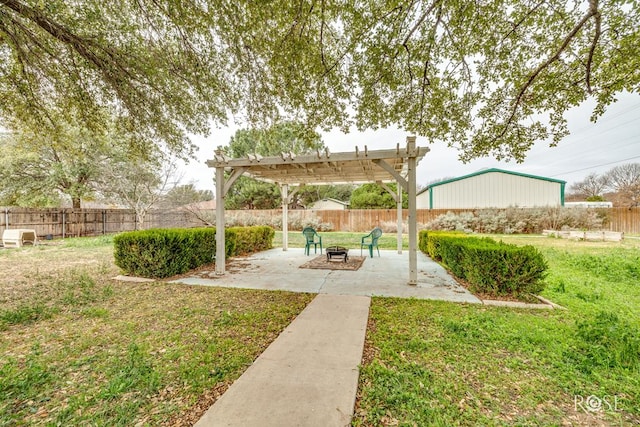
(79, 348)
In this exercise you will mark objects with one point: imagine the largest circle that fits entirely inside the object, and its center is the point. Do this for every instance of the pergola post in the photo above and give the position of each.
(220, 249)
(399, 207)
(411, 193)
(397, 196)
(284, 190)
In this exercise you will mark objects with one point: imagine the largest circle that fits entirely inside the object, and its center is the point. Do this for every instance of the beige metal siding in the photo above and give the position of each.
(422, 200)
(496, 190)
(328, 205)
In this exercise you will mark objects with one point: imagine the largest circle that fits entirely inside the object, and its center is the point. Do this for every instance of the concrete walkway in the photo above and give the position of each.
(307, 377)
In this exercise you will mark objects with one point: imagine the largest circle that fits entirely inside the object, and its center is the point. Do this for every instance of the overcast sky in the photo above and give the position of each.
(612, 141)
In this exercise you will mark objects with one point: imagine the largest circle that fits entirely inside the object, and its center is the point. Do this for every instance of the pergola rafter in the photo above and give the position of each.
(321, 168)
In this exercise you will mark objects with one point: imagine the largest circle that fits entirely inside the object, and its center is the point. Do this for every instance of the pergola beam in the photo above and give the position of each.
(386, 166)
(235, 174)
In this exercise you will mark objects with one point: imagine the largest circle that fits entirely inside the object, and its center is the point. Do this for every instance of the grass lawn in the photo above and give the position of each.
(337, 238)
(443, 364)
(77, 348)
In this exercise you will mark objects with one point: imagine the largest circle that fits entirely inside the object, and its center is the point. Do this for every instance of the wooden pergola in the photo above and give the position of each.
(322, 167)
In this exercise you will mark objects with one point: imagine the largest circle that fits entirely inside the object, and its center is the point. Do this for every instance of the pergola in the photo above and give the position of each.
(319, 168)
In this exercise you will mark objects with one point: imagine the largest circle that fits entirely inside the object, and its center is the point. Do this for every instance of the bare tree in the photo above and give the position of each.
(625, 181)
(139, 185)
(591, 187)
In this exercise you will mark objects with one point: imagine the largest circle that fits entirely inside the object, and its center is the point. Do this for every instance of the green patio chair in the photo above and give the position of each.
(312, 238)
(371, 241)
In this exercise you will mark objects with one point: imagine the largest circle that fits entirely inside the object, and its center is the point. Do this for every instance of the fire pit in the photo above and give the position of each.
(337, 252)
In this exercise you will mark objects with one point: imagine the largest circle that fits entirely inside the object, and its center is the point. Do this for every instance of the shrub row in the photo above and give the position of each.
(490, 267)
(518, 220)
(248, 218)
(159, 253)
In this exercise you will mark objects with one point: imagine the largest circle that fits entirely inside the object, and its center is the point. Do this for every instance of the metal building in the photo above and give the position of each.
(492, 188)
(329, 204)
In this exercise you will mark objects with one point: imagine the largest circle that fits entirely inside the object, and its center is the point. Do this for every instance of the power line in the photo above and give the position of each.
(595, 166)
(605, 118)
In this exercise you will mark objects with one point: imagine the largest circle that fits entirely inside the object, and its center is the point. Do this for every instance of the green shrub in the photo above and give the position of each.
(488, 266)
(501, 269)
(160, 253)
(520, 220)
(252, 239)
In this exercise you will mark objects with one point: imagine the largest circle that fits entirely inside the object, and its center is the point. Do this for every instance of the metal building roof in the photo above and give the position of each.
(494, 170)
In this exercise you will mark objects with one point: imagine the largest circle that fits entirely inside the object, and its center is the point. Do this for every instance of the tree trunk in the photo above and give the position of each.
(140, 214)
(76, 202)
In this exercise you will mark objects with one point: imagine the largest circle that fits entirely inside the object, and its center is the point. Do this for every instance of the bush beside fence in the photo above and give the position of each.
(490, 267)
(160, 253)
(92, 222)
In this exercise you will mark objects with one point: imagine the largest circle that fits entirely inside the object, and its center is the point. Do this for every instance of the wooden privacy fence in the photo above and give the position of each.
(88, 222)
(358, 220)
(626, 220)
(94, 222)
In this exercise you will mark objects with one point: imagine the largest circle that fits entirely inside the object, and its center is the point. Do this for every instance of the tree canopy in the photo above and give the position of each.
(488, 78)
(624, 180)
(39, 168)
(373, 196)
(247, 193)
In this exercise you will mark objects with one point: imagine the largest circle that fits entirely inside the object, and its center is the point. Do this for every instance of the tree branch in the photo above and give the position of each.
(420, 21)
(593, 11)
(593, 6)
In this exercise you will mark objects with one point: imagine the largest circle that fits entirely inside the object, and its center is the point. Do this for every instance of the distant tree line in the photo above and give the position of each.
(620, 185)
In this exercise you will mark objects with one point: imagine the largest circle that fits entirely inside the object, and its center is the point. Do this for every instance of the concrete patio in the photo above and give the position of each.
(386, 275)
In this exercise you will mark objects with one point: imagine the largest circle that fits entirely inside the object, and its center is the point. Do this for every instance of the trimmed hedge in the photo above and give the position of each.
(160, 253)
(490, 267)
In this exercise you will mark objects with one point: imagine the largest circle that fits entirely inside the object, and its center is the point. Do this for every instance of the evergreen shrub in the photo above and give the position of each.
(160, 253)
(490, 267)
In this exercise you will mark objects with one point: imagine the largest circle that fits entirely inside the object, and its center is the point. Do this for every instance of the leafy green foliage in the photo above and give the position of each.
(312, 193)
(279, 138)
(42, 167)
(503, 269)
(477, 74)
(37, 168)
(247, 193)
(159, 253)
(373, 196)
(490, 267)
